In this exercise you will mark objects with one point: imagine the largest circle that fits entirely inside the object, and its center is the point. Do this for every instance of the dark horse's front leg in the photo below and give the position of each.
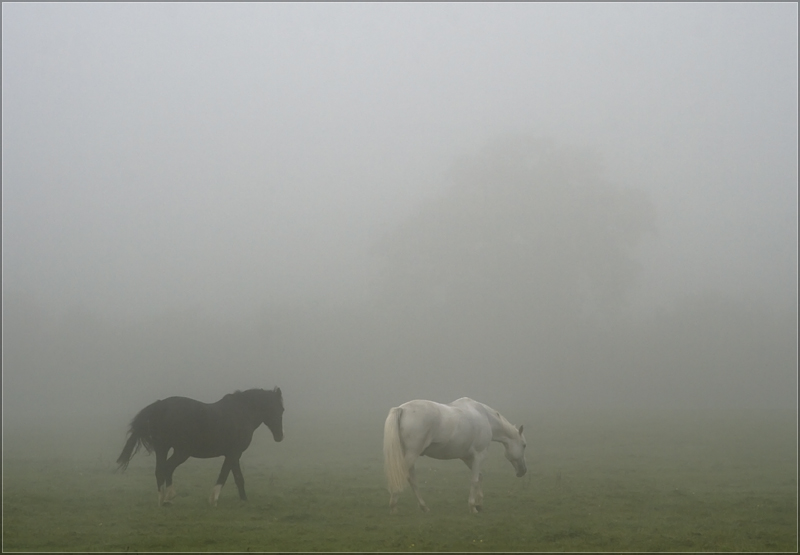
(231, 463)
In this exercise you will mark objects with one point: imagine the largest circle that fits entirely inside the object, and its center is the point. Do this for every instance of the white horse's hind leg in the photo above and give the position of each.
(412, 479)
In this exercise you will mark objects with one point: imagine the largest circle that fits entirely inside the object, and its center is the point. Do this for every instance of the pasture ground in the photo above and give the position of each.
(597, 481)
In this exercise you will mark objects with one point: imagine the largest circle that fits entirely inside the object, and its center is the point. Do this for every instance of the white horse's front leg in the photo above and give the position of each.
(475, 491)
(474, 495)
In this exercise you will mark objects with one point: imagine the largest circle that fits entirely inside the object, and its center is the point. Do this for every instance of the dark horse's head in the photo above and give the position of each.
(272, 411)
(266, 405)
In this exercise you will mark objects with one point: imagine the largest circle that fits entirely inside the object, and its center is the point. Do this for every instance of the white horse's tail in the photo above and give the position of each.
(393, 457)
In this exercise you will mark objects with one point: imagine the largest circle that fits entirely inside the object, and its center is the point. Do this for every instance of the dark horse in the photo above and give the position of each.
(203, 430)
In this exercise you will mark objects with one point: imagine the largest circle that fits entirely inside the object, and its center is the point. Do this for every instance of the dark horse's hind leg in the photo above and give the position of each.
(231, 463)
(177, 459)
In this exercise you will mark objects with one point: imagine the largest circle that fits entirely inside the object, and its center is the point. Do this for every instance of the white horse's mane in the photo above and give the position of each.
(494, 416)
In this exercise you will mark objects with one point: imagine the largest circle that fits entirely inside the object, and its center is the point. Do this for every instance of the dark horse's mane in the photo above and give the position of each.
(258, 393)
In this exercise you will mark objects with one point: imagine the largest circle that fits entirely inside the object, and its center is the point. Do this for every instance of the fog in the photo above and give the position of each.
(534, 205)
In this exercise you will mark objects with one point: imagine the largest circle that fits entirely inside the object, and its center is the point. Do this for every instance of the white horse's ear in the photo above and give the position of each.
(520, 429)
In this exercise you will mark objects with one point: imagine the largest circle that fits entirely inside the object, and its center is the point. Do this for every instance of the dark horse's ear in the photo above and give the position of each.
(277, 390)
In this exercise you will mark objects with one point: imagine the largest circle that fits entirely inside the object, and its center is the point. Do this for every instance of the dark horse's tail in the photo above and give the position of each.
(140, 434)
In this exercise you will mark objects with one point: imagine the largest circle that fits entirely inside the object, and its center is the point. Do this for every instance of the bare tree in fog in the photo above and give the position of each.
(517, 274)
(527, 247)
(527, 227)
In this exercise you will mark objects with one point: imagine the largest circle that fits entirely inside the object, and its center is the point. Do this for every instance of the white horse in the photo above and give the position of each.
(461, 430)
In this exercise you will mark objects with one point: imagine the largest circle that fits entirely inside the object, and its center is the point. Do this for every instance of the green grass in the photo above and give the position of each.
(595, 482)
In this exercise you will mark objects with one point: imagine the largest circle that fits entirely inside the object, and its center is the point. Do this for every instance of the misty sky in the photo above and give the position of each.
(225, 157)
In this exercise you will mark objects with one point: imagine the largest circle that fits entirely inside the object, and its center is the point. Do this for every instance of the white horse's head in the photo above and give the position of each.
(515, 452)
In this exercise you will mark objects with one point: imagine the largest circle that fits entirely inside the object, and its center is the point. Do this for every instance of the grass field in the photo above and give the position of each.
(603, 481)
